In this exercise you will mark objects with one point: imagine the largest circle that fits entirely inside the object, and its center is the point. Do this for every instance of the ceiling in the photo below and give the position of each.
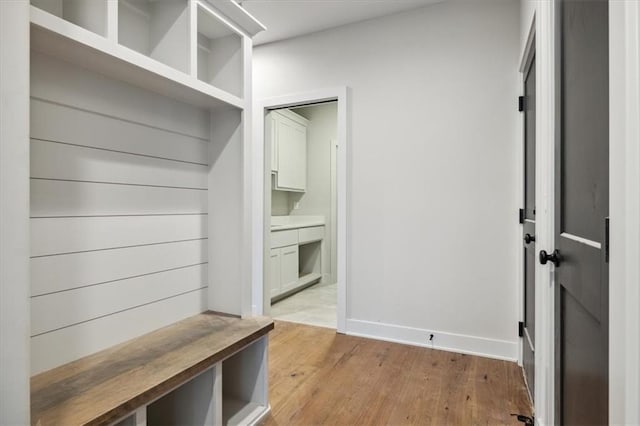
(292, 18)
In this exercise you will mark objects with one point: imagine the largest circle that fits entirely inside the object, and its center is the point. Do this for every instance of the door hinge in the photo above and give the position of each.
(520, 103)
(520, 329)
(521, 216)
(606, 240)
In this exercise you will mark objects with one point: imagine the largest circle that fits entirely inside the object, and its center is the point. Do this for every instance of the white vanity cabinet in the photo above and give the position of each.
(295, 259)
(275, 272)
(288, 132)
(284, 269)
(288, 267)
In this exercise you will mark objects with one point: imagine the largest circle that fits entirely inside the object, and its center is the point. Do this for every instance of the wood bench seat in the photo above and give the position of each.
(106, 386)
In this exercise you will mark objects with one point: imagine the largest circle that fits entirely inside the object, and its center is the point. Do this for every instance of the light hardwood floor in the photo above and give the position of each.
(319, 377)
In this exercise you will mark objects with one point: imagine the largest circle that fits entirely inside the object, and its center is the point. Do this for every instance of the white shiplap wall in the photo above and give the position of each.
(118, 212)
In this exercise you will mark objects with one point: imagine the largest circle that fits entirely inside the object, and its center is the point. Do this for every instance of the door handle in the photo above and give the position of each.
(528, 238)
(553, 257)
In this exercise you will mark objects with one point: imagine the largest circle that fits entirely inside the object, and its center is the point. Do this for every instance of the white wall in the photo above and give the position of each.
(432, 177)
(118, 212)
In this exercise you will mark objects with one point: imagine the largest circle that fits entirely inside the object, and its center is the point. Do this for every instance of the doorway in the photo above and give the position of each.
(309, 250)
(302, 281)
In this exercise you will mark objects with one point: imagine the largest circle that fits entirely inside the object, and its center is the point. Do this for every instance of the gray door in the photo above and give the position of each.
(529, 228)
(582, 208)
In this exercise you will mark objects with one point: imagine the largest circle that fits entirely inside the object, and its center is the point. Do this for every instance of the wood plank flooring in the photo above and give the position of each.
(319, 377)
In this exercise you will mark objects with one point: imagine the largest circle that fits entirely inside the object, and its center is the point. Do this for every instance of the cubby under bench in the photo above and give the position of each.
(209, 369)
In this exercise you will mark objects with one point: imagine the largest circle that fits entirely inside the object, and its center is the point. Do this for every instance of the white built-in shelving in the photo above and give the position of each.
(182, 49)
(139, 125)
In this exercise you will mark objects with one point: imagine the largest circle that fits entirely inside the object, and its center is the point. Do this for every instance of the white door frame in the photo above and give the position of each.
(542, 38)
(261, 183)
(624, 212)
(546, 132)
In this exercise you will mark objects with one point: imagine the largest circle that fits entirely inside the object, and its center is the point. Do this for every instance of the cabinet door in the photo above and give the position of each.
(271, 131)
(292, 155)
(275, 281)
(289, 267)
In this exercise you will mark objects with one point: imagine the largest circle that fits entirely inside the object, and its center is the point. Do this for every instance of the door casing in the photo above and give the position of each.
(262, 203)
(542, 39)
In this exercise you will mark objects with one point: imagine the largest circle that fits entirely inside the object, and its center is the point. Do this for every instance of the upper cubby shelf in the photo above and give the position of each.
(90, 15)
(158, 29)
(219, 54)
(183, 49)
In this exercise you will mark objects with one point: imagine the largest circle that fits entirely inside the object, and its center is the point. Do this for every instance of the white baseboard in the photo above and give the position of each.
(471, 345)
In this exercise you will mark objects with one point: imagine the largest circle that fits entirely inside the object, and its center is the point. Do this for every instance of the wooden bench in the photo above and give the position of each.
(110, 385)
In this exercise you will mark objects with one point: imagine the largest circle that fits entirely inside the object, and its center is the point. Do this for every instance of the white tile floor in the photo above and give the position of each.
(315, 305)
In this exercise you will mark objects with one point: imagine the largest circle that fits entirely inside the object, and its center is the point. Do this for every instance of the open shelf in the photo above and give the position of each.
(158, 29)
(56, 37)
(219, 53)
(88, 14)
(243, 383)
(190, 404)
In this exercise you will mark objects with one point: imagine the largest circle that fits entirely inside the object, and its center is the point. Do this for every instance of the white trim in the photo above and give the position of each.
(581, 240)
(546, 98)
(14, 213)
(259, 225)
(459, 343)
(246, 277)
(239, 15)
(292, 116)
(529, 44)
(624, 184)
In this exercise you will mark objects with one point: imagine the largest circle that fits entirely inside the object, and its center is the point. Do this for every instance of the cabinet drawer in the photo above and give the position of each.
(284, 238)
(306, 235)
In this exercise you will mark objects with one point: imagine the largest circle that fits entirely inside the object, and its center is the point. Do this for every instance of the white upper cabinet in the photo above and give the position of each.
(290, 149)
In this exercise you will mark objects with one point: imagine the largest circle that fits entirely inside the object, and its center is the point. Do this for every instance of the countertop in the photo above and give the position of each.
(283, 223)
